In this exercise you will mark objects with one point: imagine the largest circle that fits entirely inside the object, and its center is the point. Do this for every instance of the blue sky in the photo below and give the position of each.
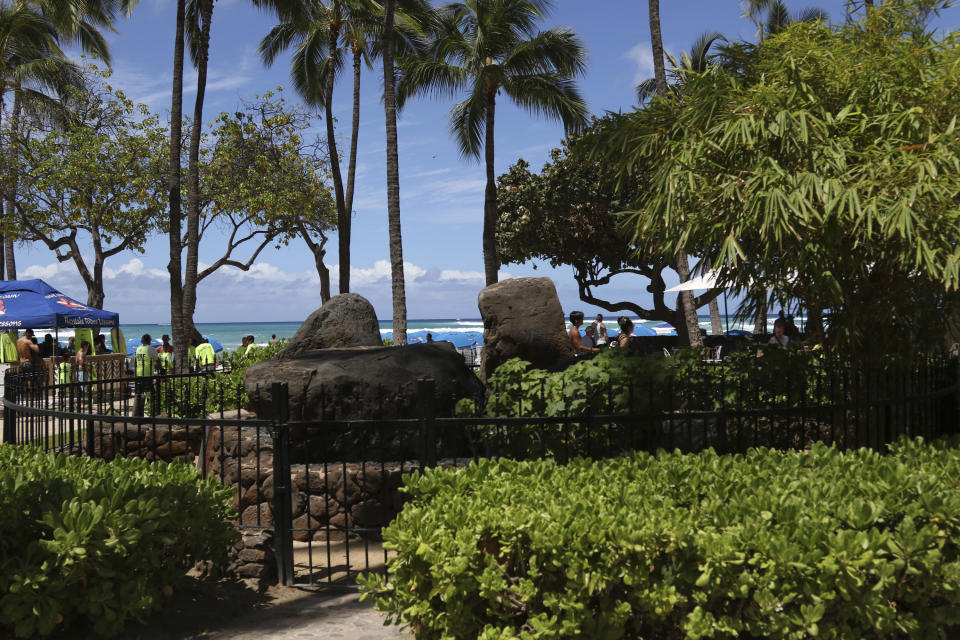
(441, 194)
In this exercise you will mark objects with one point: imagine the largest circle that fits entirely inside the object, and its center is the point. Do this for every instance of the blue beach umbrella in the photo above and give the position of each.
(643, 330)
(133, 343)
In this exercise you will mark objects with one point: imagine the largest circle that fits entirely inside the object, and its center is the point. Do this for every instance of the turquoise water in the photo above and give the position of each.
(230, 333)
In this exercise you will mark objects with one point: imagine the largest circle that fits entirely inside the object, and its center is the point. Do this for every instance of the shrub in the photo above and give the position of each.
(763, 545)
(100, 541)
(197, 397)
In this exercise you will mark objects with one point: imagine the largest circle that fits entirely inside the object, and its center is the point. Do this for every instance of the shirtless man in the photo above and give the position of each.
(29, 351)
(576, 319)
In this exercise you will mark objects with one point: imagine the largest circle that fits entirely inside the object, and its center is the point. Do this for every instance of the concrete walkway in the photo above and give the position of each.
(314, 616)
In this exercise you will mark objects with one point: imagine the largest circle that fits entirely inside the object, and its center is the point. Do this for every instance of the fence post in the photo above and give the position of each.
(282, 515)
(426, 390)
(9, 415)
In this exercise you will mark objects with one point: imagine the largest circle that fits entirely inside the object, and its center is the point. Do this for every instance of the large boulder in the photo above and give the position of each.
(353, 384)
(522, 317)
(347, 384)
(346, 320)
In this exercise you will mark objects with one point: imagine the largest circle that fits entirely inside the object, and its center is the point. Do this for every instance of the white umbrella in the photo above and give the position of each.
(706, 281)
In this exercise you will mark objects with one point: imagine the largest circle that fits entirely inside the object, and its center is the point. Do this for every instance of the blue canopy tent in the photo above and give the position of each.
(32, 304)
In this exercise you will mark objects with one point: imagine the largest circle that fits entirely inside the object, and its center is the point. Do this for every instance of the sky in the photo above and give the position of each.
(441, 194)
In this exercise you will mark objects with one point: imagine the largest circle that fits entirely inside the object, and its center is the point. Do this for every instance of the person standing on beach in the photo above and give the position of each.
(600, 331)
(576, 319)
(273, 339)
(81, 361)
(29, 352)
(626, 330)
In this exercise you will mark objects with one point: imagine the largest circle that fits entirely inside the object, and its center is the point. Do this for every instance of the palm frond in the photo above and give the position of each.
(557, 50)
(468, 122)
(551, 95)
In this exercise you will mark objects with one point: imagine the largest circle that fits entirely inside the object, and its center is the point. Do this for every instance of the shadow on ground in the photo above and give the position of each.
(217, 610)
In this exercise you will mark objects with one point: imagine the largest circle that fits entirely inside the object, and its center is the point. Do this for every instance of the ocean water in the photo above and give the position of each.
(462, 332)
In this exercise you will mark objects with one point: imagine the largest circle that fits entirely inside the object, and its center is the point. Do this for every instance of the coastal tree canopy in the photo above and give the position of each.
(266, 176)
(89, 185)
(568, 214)
(828, 169)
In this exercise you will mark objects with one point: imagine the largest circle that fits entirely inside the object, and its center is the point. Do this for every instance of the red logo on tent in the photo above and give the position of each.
(70, 303)
(3, 310)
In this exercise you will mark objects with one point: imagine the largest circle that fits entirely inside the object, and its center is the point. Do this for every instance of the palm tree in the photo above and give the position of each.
(687, 323)
(393, 178)
(697, 60)
(31, 67)
(483, 47)
(321, 32)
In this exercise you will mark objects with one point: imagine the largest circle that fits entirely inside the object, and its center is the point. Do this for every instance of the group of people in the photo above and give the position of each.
(149, 359)
(596, 336)
(784, 330)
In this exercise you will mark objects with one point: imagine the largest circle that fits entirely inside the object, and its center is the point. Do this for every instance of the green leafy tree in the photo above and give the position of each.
(265, 168)
(91, 184)
(481, 48)
(828, 171)
(33, 67)
(569, 214)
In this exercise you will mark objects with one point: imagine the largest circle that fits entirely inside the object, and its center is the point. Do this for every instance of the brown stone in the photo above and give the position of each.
(369, 383)
(346, 320)
(252, 555)
(522, 318)
(370, 513)
(248, 516)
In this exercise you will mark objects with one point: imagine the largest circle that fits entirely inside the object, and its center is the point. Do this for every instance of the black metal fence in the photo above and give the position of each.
(327, 479)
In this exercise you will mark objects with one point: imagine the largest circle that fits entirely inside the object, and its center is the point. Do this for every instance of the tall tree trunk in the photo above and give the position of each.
(393, 180)
(686, 312)
(760, 320)
(343, 215)
(355, 132)
(190, 280)
(716, 324)
(9, 259)
(318, 252)
(490, 262)
(3, 213)
(174, 267)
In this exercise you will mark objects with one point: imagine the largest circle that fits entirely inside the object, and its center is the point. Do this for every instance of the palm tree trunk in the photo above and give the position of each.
(686, 312)
(173, 181)
(490, 262)
(193, 175)
(355, 132)
(716, 325)
(760, 320)
(9, 258)
(3, 223)
(343, 215)
(10, 261)
(393, 180)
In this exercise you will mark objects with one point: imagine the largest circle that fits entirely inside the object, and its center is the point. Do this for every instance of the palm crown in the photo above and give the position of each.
(484, 46)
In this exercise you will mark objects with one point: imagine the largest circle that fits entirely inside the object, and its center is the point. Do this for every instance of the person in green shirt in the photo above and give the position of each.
(206, 358)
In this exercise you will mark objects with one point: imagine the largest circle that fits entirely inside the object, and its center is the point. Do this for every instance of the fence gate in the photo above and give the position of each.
(336, 485)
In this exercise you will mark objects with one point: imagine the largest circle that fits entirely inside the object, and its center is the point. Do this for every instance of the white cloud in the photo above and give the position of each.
(47, 271)
(456, 274)
(135, 268)
(642, 56)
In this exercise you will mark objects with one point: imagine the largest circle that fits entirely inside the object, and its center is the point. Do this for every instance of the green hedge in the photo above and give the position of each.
(764, 545)
(101, 541)
(197, 397)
